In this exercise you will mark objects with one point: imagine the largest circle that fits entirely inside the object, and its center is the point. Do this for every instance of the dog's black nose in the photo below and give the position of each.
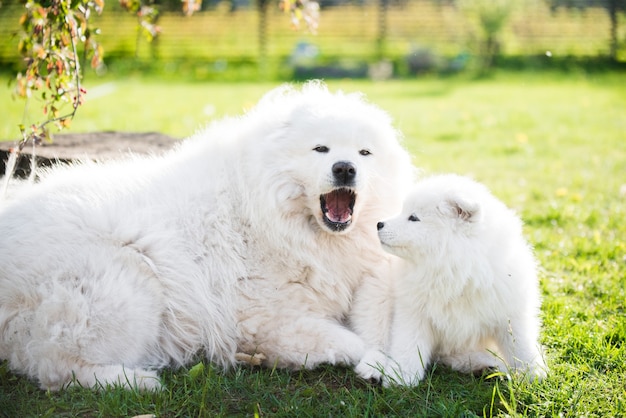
(344, 173)
(380, 225)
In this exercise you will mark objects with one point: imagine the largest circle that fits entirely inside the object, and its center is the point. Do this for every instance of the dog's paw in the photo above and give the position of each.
(255, 359)
(534, 372)
(148, 381)
(393, 375)
(372, 365)
(343, 347)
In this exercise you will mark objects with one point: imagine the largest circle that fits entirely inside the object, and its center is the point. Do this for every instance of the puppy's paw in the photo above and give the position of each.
(372, 365)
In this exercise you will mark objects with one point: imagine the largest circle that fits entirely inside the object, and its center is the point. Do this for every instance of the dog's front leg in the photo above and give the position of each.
(411, 350)
(370, 318)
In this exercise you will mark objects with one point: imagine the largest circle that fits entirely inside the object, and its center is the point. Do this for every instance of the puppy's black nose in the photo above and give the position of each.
(380, 225)
(344, 173)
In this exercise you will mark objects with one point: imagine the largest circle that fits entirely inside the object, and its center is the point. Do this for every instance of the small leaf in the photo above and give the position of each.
(196, 370)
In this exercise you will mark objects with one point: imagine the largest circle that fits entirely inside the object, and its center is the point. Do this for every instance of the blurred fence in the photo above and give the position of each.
(411, 28)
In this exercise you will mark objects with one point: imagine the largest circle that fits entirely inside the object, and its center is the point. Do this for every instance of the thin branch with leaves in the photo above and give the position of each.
(51, 33)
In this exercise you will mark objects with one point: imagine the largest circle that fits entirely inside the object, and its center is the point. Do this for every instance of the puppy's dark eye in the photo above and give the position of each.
(414, 218)
(321, 148)
(365, 152)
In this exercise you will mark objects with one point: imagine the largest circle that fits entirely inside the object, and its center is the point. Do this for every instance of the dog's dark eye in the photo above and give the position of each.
(321, 148)
(414, 218)
(365, 152)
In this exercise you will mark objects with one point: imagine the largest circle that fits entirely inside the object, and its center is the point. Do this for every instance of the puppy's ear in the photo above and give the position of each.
(465, 209)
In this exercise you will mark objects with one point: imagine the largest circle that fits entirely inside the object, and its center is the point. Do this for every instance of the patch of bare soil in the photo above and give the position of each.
(94, 146)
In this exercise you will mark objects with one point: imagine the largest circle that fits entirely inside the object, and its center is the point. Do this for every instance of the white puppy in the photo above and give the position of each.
(467, 294)
(257, 235)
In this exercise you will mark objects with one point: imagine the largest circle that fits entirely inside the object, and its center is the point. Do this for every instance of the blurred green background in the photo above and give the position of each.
(254, 39)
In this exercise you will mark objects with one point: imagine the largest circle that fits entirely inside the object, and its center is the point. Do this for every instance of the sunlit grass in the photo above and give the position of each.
(552, 147)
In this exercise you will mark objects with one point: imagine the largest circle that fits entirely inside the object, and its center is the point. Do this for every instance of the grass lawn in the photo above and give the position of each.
(551, 146)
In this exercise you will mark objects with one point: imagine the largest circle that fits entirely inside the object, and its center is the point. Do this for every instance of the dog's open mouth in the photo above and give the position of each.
(337, 208)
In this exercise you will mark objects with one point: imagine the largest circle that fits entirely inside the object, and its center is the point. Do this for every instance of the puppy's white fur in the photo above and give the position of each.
(467, 291)
(109, 272)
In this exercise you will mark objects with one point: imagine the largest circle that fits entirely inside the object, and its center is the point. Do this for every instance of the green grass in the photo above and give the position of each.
(551, 146)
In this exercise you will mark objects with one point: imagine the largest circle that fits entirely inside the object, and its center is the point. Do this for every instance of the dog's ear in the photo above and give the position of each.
(463, 208)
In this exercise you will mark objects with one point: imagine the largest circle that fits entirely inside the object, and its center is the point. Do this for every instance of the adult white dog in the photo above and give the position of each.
(467, 292)
(257, 235)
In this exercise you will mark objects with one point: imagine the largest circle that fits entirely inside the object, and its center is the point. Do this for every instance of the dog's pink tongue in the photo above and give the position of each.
(338, 205)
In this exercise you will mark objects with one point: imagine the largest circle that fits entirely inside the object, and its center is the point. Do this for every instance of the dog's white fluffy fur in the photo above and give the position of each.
(467, 290)
(244, 239)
